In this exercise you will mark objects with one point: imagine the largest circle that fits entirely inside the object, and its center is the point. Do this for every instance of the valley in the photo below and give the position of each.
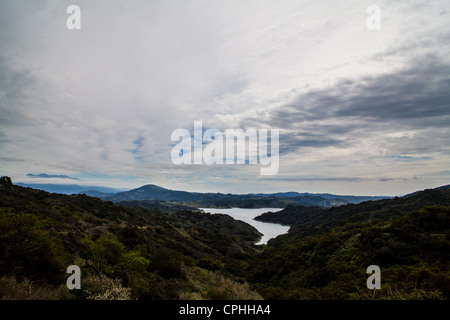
(171, 253)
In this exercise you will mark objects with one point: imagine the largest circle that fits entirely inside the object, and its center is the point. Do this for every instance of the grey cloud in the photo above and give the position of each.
(86, 101)
(410, 158)
(419, 94)
(294, 141)
(330, 179)
(15, 86)
(414, 98)
(11, 159)
(429, 140)
(49, 176)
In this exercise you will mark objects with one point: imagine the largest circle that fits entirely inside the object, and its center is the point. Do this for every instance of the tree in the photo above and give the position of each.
(5, 180)
(28, 251)
(103, 254)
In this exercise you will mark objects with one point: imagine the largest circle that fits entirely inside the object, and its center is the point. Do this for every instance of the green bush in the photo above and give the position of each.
(27, 251)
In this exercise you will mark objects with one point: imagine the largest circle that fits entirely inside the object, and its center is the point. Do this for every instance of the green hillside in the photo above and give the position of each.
(147, 254)
(138, 253)
(326, 252)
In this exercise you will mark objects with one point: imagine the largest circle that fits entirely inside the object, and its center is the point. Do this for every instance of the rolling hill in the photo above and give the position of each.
(197, 199)
(154, 192)
(137, 253)
(147, 254)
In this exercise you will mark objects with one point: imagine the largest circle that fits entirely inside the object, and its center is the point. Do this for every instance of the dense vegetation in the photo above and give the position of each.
(327, 251)
(174, 205)
(123, 252)
(307, 220)
(160, 205)
(138, 253)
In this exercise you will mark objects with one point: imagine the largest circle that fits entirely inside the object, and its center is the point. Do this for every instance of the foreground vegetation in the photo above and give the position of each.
(137, 253)
(327, 251)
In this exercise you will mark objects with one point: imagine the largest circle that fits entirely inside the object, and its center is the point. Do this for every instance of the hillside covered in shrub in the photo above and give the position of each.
(144, 254)
(326, 252)
(138, 253)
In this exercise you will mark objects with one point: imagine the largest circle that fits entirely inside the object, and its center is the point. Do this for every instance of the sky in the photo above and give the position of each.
(359, 110)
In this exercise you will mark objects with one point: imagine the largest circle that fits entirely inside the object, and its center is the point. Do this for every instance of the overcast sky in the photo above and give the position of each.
(360, 111)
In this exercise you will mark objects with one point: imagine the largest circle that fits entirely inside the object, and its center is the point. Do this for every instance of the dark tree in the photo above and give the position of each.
(5, 181)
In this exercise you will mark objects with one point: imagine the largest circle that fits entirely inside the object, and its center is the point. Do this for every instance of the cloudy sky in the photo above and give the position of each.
(360, 111)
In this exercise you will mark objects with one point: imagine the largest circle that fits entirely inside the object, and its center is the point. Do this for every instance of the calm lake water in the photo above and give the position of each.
(269, 230)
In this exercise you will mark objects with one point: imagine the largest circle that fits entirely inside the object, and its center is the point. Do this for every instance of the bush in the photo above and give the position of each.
(27, 251)
(103, 288)
(166, 266)
(212, 285)
(10, 289)
(6, 181)
(209, 264)
(104, 253)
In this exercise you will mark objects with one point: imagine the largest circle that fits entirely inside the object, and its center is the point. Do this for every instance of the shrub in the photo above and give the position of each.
(103, 288)
(10, 289)
(28, 251)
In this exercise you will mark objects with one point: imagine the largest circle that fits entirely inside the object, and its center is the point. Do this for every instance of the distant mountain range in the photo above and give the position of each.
(71, 188)
(310, 217)
(416, 192)
(167, 197)
(251, 200)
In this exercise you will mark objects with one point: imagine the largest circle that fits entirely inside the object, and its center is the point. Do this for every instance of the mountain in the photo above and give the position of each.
(71, 189)
(155, 197)
(416, 192)
(251, 200)
(315, 200)
(197, 199)
(343, 198)
(153, 192)
(309, 218)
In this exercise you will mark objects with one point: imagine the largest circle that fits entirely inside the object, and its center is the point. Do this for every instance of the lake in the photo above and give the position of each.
(269, 230)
